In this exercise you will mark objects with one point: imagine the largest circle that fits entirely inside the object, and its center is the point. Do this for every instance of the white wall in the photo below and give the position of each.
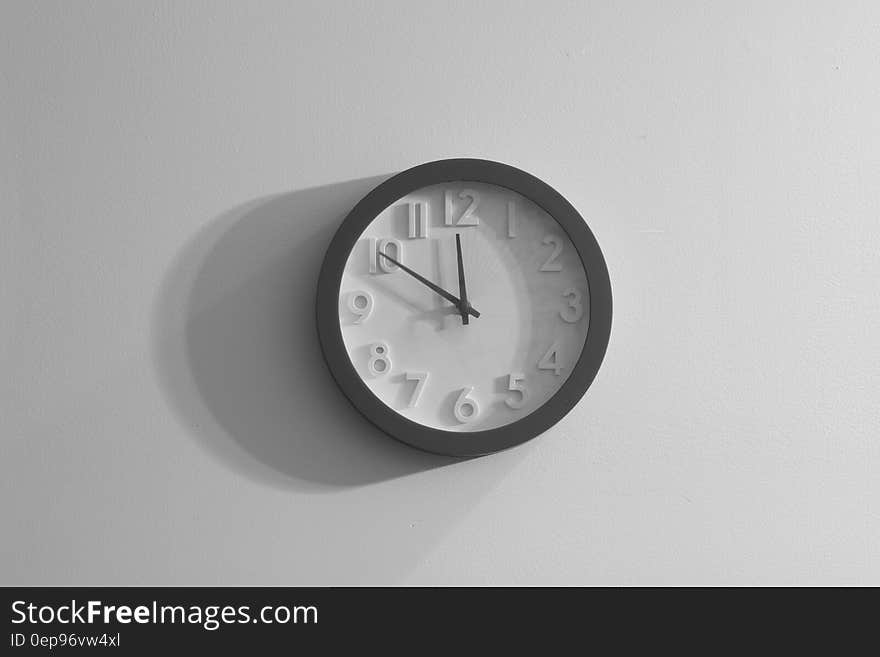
(170, 173)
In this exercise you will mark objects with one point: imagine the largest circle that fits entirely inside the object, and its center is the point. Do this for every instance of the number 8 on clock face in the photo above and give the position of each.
(464, 307)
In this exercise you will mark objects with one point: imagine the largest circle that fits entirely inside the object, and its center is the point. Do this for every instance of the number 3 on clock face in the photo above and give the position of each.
(464, 313)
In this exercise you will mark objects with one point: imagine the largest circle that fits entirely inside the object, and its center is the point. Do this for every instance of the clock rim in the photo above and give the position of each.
(399, 427)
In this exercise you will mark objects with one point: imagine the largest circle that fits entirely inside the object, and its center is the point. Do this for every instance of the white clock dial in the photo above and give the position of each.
(412, 347)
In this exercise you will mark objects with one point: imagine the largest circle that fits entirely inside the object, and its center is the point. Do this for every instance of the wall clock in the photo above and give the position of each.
(464, 307)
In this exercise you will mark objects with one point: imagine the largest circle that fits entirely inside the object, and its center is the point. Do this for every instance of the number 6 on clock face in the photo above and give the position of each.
(492, 284)
(466, 407)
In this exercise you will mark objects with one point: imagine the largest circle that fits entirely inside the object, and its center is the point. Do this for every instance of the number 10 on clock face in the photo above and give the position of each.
(464, 306)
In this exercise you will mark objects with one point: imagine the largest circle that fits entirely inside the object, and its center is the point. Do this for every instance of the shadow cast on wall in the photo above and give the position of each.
(237, 352)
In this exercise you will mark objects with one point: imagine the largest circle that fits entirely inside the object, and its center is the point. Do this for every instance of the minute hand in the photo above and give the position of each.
(439, 290)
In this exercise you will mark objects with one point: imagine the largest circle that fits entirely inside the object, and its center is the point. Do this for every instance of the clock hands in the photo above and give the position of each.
(439, 290)
(462, 286)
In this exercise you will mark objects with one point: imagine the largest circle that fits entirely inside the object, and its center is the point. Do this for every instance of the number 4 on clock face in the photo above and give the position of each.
(551, 360)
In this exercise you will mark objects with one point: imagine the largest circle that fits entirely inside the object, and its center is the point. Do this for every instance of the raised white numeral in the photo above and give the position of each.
(361, 304)
(418, 219)
(551, 360)
(575, 309)
(466, 408)
(468, 217)
(516, 383)
(378, 263)
(420, 378)
(380, 359)
(551, 264)
(511, 218)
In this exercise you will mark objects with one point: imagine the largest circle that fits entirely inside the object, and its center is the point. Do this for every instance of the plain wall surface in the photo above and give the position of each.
(171, 173)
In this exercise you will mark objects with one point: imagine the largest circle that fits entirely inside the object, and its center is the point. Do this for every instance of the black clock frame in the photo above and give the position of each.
(439, 441)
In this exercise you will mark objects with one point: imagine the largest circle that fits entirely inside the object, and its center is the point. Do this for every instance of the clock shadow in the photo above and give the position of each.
(237, 353)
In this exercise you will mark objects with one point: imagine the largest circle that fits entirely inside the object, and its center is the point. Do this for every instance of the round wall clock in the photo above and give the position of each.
(464, 307)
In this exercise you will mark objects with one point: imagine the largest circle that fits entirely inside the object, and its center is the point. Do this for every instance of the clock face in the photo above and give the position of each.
(464, 307)
(412, 346)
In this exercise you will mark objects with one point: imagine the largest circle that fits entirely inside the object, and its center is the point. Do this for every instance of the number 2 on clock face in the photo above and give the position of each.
(410, 343)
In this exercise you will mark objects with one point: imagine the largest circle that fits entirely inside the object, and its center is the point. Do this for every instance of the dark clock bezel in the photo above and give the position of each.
(439, 441)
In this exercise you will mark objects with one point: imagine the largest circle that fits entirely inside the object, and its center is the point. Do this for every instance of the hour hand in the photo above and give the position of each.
(439, 290)
(462, 285)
